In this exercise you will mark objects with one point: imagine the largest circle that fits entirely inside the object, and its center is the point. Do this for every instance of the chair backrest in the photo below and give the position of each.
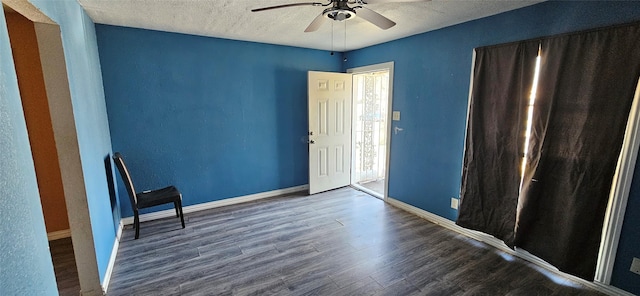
(126, 178)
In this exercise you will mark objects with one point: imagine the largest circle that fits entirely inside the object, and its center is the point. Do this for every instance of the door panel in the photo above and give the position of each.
(323, 120)
(340, 117)
(329, 130)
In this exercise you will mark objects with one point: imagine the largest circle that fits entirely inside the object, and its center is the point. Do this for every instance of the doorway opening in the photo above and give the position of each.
(23, 36)
(350, 129)
(42, 78)
(370, 128)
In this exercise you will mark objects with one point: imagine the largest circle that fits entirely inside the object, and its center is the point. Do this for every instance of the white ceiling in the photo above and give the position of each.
(232, 19)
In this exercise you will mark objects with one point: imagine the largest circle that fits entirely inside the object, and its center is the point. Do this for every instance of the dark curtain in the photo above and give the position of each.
(494, 145)
(587, 84)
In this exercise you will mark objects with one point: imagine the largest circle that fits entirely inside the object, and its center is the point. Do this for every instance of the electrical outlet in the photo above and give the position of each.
(454, 203)
(635, 266)
(396, 115)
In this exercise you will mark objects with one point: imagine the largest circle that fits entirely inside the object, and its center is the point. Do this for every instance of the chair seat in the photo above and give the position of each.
(158, 197)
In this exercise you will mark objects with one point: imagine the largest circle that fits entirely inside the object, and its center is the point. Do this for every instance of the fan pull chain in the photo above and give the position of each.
(345, 42)
(331, 38)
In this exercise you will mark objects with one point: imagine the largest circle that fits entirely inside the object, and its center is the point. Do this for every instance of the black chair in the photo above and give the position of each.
(148, 198)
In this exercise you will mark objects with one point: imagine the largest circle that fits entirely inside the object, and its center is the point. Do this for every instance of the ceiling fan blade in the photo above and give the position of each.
(389, 1)
(287, 5)
(375, 18)
(316, 23)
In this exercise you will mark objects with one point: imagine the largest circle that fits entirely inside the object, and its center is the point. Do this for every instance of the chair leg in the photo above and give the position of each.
(175, 204)
(179, 208)
(136, 224)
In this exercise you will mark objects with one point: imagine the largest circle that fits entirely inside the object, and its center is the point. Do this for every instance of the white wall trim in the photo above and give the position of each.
(619, 196)
(59, 234)
(215, 204)
(466, 123)
(494, 242)
(112, 259)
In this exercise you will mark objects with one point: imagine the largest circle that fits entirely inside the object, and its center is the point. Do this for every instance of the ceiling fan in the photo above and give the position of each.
(340, 10)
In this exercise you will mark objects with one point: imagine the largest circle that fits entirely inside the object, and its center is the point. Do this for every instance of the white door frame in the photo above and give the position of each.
(375, 68)
(619, 195)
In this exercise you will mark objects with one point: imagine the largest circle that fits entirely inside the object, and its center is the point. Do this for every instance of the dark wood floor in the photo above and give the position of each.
(64, 265)
(341, 242)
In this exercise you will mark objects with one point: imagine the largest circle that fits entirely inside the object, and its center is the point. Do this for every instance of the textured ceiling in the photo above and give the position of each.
(232, 19)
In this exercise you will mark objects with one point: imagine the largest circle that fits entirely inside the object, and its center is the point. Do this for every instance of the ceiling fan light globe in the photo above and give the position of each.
(340, 15)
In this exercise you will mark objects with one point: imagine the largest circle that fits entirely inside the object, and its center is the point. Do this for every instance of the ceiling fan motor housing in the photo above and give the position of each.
(339, 14)
(340, 11)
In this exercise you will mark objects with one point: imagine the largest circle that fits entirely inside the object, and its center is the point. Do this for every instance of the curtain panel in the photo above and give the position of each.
(586, 88)
(502, 80)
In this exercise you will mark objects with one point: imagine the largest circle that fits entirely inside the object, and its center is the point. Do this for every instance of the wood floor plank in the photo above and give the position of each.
(313, 285)
(366, 286)
(400, 288)
(341, 242)
(64, 266)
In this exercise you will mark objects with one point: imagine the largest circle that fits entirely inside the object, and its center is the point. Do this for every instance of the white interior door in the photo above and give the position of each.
(329, 130)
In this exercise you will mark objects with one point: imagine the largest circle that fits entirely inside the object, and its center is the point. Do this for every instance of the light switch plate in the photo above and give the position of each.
(635, 266)
(396, 115)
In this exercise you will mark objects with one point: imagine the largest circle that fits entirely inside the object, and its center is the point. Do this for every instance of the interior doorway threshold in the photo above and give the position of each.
(368, 191)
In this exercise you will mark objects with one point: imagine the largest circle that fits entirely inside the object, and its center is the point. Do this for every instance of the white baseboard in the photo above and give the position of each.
(494, 242)
(112, 259)
(119, 232)
(215, 204)
(59, 234)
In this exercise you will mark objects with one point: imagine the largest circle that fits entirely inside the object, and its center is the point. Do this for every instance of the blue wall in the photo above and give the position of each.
(217, 118)
(87, 96)
(431, 88)
(25, 263)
